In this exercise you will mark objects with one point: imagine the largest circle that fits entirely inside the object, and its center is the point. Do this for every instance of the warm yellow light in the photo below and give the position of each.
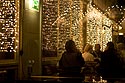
(120, 28)
(121, 33)
(8, 25)
(96, 32)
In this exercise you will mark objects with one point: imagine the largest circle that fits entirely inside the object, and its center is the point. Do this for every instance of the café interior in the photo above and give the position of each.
(33, 34)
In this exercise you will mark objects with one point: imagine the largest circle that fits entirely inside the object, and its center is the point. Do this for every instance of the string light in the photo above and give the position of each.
(66, 23)
(9, 23)
(63, 20)
(99, 28)
(118, 9)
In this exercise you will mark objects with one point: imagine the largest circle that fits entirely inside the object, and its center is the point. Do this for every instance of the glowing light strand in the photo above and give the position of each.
(69, 21)
(96, 31)
(9, 24)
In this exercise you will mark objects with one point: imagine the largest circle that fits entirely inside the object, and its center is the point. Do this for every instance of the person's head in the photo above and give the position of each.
(88, 48)
(70, 46)
(120, 46)
(110, 46)
(97, 47)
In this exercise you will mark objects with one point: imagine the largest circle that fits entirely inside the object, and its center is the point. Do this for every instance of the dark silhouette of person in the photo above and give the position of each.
(110, 65)
(121, 51)
(97, 52)
(71, 63)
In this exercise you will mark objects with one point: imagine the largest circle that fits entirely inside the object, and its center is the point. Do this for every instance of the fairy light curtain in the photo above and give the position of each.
(99, 29)
(49, 30)
(71, 13)
(62, 20)
(9, 25)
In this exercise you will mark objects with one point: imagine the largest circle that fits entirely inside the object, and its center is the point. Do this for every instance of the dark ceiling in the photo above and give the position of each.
(121, 3)
(115, 13)
(104, 4)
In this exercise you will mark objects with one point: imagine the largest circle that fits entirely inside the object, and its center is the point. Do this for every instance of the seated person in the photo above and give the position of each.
(71, 63)
(90, 63)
